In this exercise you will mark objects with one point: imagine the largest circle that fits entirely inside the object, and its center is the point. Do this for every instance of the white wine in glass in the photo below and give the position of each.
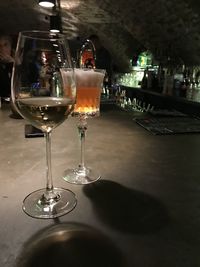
(45, 99)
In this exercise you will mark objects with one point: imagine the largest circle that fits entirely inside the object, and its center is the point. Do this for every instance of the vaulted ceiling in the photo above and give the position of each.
(170, 29)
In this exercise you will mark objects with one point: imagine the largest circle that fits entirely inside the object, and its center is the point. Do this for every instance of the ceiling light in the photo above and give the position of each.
(55, 23)
(47, 3)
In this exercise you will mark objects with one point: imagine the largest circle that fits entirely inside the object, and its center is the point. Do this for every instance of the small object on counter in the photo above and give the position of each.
(31, 131)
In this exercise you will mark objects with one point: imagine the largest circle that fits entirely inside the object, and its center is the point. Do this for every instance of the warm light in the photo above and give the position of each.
(47, 3)
(71, 4)
(86, 110)
(55, 30)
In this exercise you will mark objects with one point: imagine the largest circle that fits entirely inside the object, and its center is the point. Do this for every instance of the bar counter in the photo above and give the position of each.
(147, 202)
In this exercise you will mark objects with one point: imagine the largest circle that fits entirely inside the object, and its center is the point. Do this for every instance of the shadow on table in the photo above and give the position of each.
(71, 245)
(125, 209)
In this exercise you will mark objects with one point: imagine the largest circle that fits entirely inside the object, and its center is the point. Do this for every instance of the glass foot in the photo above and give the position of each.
(36, 206)
(81, 176)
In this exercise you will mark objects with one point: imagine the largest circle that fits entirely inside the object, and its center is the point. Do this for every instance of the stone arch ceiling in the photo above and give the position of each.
(168, 28)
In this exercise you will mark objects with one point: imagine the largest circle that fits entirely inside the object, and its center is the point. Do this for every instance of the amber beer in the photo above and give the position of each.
(88, 85)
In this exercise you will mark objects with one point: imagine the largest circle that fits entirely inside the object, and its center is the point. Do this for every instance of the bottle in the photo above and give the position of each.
(87, 55)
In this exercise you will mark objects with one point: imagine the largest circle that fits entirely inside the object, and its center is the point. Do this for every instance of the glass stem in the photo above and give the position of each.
(49, 194)
(82, 127)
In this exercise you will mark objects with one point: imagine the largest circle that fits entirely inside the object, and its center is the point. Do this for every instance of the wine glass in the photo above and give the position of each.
(89, 84)
(43, 92)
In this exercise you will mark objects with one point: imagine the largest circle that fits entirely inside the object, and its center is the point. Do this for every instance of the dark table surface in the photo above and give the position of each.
(147, 203)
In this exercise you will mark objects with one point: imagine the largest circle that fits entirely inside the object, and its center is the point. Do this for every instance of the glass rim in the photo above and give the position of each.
(90, 69)
(41, 35)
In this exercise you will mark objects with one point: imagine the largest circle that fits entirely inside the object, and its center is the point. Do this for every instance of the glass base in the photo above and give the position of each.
(37, 206)
(81, 176)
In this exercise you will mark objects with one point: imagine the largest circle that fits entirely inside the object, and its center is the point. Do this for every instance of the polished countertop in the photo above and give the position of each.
(147, 203)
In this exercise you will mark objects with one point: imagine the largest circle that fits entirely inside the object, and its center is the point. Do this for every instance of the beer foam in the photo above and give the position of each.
(89, 78)
(67, 75)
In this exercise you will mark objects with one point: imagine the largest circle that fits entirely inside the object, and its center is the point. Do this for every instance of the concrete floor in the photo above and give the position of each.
(147, 203)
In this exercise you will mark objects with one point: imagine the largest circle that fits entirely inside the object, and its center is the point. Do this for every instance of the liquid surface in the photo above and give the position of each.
(45, 113)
